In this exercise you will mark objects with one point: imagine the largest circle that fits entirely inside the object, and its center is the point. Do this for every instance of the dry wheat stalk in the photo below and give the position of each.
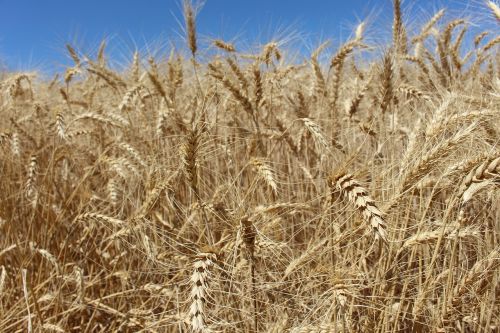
(432, 157)
(320, 83)
(24, 273)
(475, 281)
(444, 50)
(318, 328)
(53, 328)
(268, 51)
(101, 61)
(113, 191)
(489, 45)
(110, 78)
(450, 232)
(399, 38)
(479, 38)
(3, 277)
(265, 172)
(75, 134)
(200, 280)
(73, 54)
(99, 118)
(189, 17)
(358, 196)
(455, 49)
(257, 78)
(100, 218)
(480, 176)
(124, 167)
(344, 51)
(8, 249)
(158, 85)
(30, 187)
(153, 197)
(60, 126)
(423, 68)
(237, 93)
(352, 106)
(46, 255)
(317, 134)
(69, 74)
(4, 138)
(133, 153)
(465, 166)
(15, 88)
(337, 64)
(135, 67)
(235, 68)
(412, 92)
(495, 9)
(228, 47)
(118, 119)
(386, 89)
(190, 158)
(306, 255)
(445, 38)
(440, 125)
(129, 96)
(426, 29)
(282, 208)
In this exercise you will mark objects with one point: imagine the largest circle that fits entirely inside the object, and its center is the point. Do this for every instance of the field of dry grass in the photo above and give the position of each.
(247, 193)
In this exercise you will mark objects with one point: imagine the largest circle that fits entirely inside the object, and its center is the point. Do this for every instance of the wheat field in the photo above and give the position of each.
(216, 190)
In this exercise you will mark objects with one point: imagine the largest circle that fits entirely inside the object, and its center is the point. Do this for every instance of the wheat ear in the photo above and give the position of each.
(358, 196)
(189, 17)
(426, 29)
(479, 177)
(495, 9)
(399, 37)
(199, 290)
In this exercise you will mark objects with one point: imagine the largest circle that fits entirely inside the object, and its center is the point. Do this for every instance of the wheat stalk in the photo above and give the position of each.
(426, 29)
(265, 172)
(200, 280)
(399, 38)
(358, 196)
(3, 277)
(60, 126)
(189, 18)
(228, 47)
(479, 177)
(495, 9)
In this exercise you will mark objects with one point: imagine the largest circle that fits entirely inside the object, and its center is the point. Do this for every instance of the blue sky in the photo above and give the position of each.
(33, 32)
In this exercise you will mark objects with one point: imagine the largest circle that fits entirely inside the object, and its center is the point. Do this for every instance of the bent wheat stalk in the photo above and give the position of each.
(357, 195)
